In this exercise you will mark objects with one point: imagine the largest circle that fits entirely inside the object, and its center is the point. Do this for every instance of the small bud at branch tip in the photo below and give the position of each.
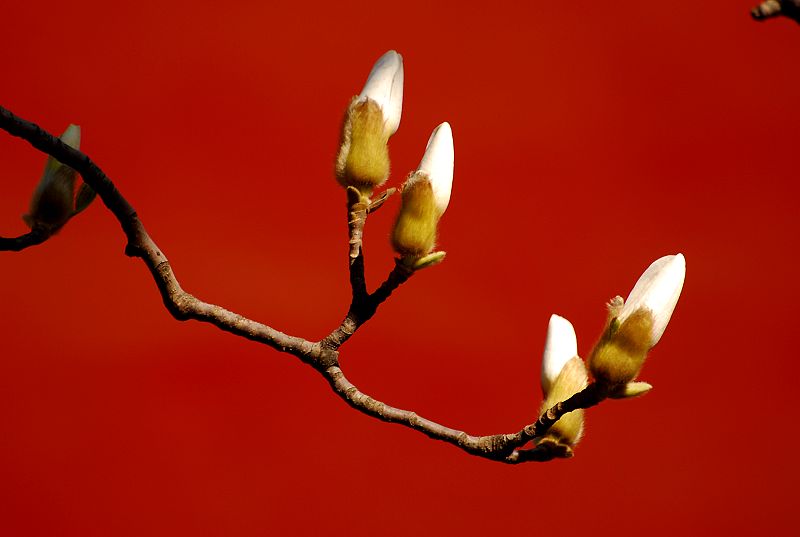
(385, 86)
(657, 290)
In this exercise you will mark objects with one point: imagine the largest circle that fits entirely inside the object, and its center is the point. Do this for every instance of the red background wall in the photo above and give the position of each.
(591, 138)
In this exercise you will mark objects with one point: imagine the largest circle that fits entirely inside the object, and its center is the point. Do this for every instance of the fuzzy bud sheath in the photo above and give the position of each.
(572, 379)
(620, 354)
(414, 233)
(363, 159)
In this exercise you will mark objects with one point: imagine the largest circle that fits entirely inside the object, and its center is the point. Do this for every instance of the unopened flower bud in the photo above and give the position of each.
(372, 117)
(637, 325)
(657, 291)
(425, 197)
(414, 231)
(53, 201)
(563, 375)
(385, 87)
(437, 164)
(560, 346)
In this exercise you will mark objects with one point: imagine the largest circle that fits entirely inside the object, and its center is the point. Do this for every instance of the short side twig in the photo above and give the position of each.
(363, 305)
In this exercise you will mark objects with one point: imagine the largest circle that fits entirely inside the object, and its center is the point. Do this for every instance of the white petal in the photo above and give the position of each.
(437, 164)
(385, 87)
(72, 136)
(658, 290)
(560, 346)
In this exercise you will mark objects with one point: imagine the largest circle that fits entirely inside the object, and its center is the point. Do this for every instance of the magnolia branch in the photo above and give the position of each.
(323, 355)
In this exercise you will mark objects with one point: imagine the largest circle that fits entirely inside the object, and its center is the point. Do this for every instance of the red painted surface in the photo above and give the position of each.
(591, 138)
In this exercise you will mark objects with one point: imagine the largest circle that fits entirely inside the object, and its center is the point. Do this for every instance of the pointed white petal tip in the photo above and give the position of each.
(72, 136)
(385, 87)
(560, 346)
(437, 164)
(658, 290)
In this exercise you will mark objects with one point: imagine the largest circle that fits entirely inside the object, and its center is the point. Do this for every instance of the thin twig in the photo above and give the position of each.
(363, 305)
(357, 207)
(363, 309)
(322, 355)
(16, 244)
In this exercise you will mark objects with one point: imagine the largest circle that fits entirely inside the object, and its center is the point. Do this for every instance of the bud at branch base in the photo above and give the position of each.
(563, 375)
(560, 346)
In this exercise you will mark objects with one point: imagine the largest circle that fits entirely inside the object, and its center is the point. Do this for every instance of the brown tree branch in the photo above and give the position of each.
(363, 305)
(180, 304)
(16, 244)
(499, 447)
(775, 8)
(322, 355)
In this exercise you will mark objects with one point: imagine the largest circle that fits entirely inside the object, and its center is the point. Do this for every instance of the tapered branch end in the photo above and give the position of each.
(765, 11)
(774, 8)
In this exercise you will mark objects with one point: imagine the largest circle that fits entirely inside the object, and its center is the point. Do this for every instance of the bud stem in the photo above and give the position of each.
(363, 304)
(590, 396)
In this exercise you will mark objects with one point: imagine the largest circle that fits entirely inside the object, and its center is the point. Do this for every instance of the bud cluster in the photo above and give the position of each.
(633, 328)
(362, 162)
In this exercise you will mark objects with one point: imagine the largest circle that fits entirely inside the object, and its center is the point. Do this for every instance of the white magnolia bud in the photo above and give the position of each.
(560, 346)
(437, 164)
(563, 375)
(52, 203)
(657, 291)
(385, 87)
